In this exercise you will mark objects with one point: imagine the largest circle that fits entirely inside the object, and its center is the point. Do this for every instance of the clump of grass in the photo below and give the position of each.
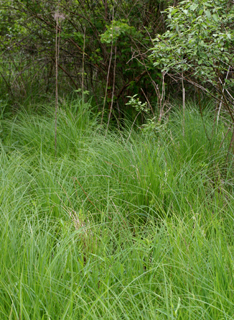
(114, 228)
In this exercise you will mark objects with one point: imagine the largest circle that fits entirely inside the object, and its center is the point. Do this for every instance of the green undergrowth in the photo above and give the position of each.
(134, 225)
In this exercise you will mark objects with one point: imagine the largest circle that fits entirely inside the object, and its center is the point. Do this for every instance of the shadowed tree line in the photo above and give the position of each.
(110, 65)
(115, 49)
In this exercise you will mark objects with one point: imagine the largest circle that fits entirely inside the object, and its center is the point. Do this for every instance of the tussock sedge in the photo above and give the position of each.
(115, 228)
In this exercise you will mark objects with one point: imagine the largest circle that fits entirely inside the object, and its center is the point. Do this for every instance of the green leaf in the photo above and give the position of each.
(193, 6)
(208, 14)
(216, 17)
(174, 11)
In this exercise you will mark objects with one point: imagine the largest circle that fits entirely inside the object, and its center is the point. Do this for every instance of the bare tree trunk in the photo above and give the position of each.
(113, 92)
(83, 61)
(56, 84)
(183, 92)
(107, 82)
(221, 102)
(57, 16)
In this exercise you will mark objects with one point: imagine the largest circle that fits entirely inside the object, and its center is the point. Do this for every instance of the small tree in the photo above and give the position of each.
(198, 47)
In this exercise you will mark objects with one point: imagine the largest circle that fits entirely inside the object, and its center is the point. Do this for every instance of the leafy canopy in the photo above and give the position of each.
(199, 39)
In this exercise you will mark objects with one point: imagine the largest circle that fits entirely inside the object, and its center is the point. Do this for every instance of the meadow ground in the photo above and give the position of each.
(129, 226)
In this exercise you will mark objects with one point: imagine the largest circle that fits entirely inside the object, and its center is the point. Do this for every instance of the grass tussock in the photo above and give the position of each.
(121, 227)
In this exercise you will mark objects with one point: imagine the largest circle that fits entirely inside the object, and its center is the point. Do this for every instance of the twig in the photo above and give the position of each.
(113, 92)
(148, 101)
(183, 91)
(136, 80)
(56, 82)
(221, 102)
(57, 17)
(65, 71)
(107, 82)
(83, 60)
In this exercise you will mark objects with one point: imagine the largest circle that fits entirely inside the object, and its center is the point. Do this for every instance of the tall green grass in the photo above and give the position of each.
(115, 227)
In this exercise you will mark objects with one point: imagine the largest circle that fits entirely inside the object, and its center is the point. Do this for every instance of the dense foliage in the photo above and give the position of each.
(199, 47)
(91, 56)
(108, 50)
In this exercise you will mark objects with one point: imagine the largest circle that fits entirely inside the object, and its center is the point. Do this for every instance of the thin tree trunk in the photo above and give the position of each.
(113, 92)
(57, 16)
(107, 82)
(183, 91)
(56, 86)
(83, 61)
